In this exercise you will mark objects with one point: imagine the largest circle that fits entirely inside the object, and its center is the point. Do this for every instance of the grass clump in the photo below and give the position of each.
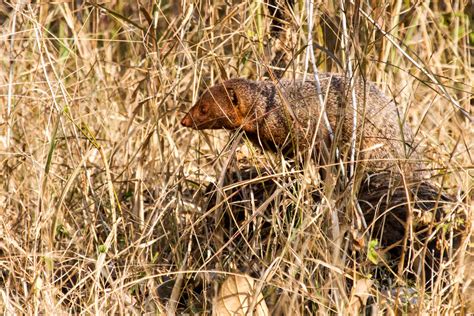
(108, 205)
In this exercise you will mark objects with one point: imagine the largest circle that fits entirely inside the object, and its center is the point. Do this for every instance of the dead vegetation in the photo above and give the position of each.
(110, 206)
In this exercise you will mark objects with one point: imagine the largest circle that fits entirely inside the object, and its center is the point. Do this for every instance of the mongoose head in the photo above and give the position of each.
(230, 105)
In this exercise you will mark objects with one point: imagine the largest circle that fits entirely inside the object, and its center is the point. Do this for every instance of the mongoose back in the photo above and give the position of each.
(288, 113)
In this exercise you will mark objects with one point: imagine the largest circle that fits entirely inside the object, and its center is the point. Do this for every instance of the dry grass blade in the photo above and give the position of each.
(359, 295)
(237, 296)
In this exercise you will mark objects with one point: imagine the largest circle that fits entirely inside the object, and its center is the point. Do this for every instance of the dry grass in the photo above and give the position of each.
(102, 189)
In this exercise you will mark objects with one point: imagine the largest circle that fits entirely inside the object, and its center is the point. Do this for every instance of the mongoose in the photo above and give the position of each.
(286, 115)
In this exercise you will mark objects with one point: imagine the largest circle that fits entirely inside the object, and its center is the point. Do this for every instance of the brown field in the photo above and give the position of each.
(102, 199)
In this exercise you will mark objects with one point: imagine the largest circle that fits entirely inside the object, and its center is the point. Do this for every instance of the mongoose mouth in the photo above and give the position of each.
(189, 121)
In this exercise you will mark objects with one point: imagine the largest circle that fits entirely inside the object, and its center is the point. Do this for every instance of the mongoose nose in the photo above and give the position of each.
(186, 121)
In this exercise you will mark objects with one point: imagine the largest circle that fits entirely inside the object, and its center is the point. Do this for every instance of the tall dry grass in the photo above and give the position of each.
(102, 203)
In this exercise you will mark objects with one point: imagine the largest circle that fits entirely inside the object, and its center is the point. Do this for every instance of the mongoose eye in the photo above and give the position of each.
(203, 109)
(232, 96)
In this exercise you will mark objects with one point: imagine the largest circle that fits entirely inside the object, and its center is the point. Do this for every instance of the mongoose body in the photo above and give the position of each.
(287, 114)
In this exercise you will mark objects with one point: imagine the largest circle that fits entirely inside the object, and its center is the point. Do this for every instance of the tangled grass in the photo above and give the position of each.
(104, 204)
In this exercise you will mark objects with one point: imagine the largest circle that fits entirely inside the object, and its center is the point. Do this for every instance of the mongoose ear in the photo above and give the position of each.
(233, 96)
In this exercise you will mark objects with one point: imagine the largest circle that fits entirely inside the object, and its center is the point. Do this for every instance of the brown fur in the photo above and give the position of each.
(287, 114)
